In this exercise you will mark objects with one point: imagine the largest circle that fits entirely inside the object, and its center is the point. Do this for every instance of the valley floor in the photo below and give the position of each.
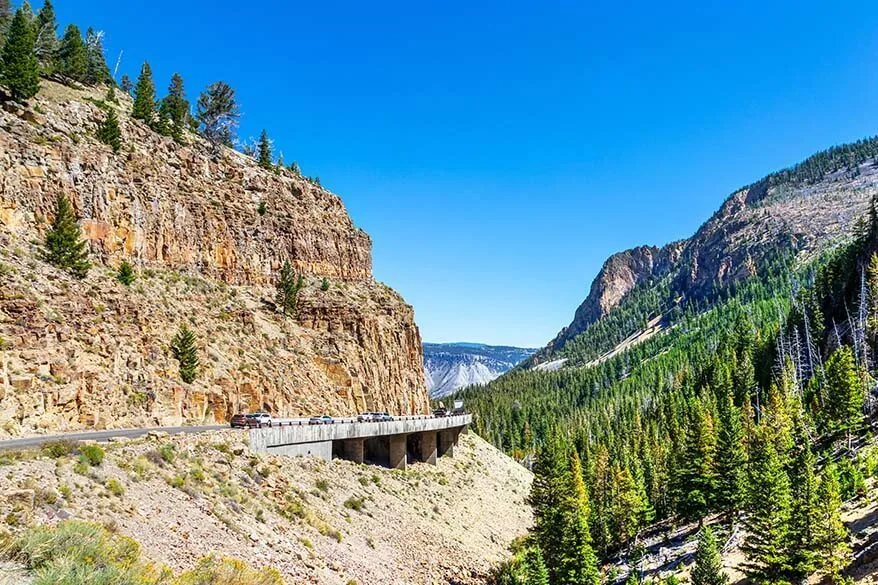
(317, 522)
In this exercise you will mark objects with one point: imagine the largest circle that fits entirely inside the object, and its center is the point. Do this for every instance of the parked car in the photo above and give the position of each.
(382, 417)
(253, 420)
(320, 420)
(442, 411)
(367, 417)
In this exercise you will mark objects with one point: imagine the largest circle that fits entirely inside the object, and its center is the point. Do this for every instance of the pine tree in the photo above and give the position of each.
(872, 292)
(295, 168)
(109, 132)
(708, 569)
(126, 84)
(697, 476)
(264, 151)
(97, 71)
(18, 64)
(126, 273)
(73, 55)
(144, 96)
(833, 549)
(731, 458)
(46, 42)
(535, 567)
(185, 351)
(844, 392)
(288, 287)
(578, 563)
(769, 512)
(64, 246)
(546, 498)
(804, 513)
(175, 107)
(217, 113)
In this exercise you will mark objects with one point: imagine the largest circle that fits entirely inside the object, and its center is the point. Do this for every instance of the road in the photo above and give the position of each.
(32, 442)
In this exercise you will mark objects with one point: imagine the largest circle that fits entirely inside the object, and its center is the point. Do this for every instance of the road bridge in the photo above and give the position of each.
(390, 443)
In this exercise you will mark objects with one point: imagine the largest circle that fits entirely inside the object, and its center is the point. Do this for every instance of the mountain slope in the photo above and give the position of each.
(93, 353)
(452, 366)
(797, 212)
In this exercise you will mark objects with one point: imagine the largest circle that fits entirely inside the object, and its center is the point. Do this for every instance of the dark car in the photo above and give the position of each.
(440, 412)
(255, 420)
(239, 421)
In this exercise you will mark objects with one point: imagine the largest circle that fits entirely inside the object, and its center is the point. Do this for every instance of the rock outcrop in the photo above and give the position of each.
(93, 353)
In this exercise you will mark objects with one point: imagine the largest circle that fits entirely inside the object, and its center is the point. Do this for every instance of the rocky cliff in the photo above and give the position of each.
(94, 353)
(792, 214)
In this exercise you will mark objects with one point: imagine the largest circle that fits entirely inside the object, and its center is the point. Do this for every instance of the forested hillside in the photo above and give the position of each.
(754, 400)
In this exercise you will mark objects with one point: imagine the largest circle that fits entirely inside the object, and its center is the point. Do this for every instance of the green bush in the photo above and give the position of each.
(214, 571)
(356, 504)
(115, 487)
(58, 449)
(91, 454)
(168, 452)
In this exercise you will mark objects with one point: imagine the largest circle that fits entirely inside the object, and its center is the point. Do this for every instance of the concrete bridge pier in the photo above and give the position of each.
(353, 450)
(427, 447)
(447, 439)
(397, 451)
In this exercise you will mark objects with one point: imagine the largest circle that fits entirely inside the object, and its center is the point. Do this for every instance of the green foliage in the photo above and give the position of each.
(288, 287)
(63, 246)
(115, 487)
(46, 41)
(72, 57)
(185, 351)
(324, 284)
(92, 454)
(831, 535)
(262, 208)
(175, 108)
(109, 132)
(58, 449)
(843, 391)
(263, 151)
(126, 274)
(96, 70)
(144, 97)
(19, 69)
(708, 569)
(217, 114)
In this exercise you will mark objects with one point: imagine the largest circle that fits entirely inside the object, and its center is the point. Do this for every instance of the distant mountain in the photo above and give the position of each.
(451, 366)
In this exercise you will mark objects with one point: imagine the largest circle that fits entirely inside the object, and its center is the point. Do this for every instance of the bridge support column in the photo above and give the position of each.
(447, 439)
(397, 451)
(427, 450)
(352, 450)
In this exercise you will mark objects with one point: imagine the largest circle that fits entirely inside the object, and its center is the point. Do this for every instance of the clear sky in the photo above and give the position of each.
(498, 152)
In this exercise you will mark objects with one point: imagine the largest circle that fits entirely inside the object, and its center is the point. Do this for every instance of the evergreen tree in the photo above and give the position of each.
(547, 495)
(264, 151)
(708, 569)
(144, 97)
(175, 107)
(535, 567)
(698, 471)
(18, 64)
(126, 273)
(833, 549)
(288, 287)
(769, 512)
(72, 55)
(64, 246)
(578, 562)
(109, 132)
(804, 518)
(96, 71)
(217, 113)
(295, 168)
(731, 458)
(126, 85)
(185, 351)
(46, 42)
(844, 392)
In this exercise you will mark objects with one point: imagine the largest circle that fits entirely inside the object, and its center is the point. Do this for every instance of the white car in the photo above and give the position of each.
(259, 420)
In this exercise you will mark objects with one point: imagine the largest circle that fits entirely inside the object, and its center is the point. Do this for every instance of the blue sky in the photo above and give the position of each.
(498, 152)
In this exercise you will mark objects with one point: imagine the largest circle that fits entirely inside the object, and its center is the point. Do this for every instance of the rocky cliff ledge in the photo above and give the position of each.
(93, 353)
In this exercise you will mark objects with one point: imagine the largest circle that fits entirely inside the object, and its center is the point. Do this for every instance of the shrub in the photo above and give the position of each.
(324, 286)
(58, 449)
(356, 504)
(214, 571)
(262, 208)
(109, 132)
(115, 487)
(322, 485)
(168, 452)
(91, 454)
(126, 273)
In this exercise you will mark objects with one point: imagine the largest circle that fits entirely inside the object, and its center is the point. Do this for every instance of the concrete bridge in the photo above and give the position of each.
(391, 443)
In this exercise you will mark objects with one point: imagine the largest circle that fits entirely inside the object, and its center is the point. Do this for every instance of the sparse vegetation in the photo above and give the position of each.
(64, 247)
(126, 274)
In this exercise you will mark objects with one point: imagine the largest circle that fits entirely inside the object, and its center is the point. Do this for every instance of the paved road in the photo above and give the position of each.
(31, 442)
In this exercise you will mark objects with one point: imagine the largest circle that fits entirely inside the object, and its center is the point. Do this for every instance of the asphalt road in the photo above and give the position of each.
(32, 442)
